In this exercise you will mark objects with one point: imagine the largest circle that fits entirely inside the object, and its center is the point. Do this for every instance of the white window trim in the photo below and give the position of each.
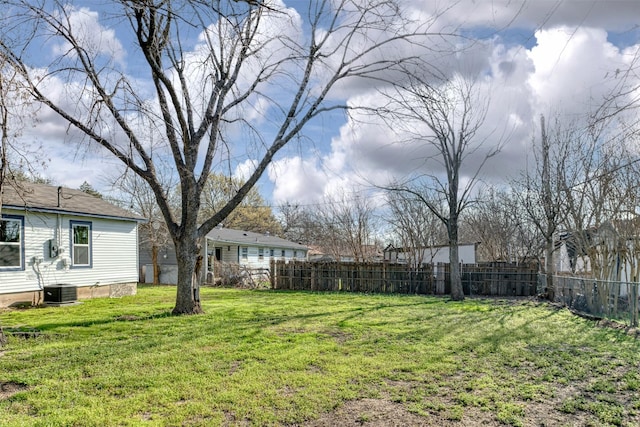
(19, 244)
(89, 245)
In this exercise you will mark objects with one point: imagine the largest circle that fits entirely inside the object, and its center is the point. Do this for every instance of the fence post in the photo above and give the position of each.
(633, 299)
(272, 276)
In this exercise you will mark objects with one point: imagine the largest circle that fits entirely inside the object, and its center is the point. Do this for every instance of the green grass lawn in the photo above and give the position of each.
(286, 358)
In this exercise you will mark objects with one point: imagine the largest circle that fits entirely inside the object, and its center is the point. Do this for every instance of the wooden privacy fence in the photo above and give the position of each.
(483, 279)
(498, 279)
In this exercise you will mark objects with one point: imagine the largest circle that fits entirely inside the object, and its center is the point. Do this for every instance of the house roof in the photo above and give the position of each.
(54, 199)
(239, 237)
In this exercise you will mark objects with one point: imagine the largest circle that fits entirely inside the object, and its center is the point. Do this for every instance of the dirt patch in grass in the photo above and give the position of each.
(554, 410)
(8, 389)
(369, 412)
(384, 413)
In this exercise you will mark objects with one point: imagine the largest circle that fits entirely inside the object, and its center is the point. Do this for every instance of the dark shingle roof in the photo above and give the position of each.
(49, 198)
(228, 235)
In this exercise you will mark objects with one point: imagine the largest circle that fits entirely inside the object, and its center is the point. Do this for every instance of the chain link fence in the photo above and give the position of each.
(617, 301)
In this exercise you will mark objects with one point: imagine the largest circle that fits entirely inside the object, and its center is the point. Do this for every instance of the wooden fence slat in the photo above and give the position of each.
(477, 279)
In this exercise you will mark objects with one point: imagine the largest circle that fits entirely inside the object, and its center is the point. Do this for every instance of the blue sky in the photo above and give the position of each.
(556, 58)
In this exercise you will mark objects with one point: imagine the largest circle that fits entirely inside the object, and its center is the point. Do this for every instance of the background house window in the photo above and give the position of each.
(295, 254)
(81, 243)
(271, 253)
(11, 242)
(260, 254)
(282, 253)
(245, 253)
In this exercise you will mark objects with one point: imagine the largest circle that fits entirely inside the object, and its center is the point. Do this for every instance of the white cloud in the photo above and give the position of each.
(296, 180)
(244, 170)
(91, 34)
(615, 15)
(567, 73)
(570, 68)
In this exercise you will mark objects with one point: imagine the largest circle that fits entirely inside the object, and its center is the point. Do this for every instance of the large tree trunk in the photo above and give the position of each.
(154, 261)
(457, 293)
(188, 289)
(549, 268)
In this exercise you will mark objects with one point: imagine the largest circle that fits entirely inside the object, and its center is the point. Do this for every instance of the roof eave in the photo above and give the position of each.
(69, 212)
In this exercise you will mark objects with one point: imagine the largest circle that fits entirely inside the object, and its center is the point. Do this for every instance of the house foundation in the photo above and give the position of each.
(32, 298)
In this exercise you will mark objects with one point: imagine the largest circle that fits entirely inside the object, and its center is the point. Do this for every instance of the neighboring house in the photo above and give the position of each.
(608, 252)
(570, 257)
(253, 250)
(430, 254)
(52, 236)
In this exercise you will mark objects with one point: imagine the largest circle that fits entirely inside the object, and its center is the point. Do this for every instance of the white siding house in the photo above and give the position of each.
(245, 248)
(52, 236)
(253, 250)
(430, 254)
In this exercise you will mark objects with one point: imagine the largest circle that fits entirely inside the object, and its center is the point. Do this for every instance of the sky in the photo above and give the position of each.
(557, 58)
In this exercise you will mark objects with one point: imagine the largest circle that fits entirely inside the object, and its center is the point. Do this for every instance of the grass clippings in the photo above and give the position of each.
(313, 359)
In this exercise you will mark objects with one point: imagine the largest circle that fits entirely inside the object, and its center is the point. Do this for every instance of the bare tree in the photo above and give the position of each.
(13, 116)
(347, 224)
(596, 191)
(446, 118)
(298, 224)
(250, 59)
(542, 191)
(493, 223)
(414, 226)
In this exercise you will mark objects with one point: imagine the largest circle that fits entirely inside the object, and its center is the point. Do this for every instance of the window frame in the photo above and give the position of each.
(16, 218)
(72, 245)
(260, 254)
(244, 253)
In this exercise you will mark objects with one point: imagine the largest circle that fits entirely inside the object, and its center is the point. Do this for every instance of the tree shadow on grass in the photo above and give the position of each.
(106, 320)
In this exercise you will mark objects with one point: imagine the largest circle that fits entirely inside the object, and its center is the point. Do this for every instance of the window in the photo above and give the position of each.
(271, 253)
(295, 254)
(282, 253)
(261, 254)
(11, 242)
(81, 244)
(245, 253)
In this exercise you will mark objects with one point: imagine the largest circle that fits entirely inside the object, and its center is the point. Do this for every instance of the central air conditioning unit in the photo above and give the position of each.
(60, 294)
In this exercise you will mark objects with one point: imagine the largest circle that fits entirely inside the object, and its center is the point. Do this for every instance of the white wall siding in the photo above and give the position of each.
(437, 254)
(254, 261)
(113, 246)
(37, 231)
(229, 253)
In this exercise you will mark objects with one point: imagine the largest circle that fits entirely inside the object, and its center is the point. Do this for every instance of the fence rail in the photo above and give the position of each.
(477, 279)
(499, 279)
(616, 301)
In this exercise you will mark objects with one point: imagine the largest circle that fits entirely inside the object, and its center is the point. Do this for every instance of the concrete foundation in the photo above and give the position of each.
(115, 290)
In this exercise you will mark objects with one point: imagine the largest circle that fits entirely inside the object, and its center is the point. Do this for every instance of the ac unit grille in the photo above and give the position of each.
(60, 293)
